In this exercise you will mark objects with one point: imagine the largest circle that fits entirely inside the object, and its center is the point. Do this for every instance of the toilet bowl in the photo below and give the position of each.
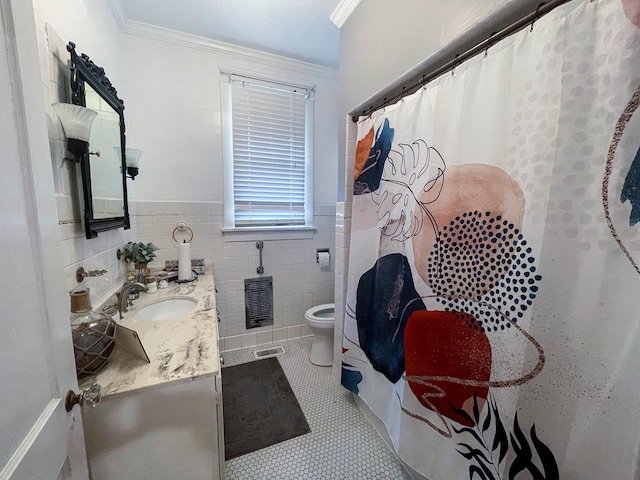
(320, 321)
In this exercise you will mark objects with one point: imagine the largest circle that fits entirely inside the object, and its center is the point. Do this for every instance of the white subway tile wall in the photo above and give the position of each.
(299, 283)
(98, 253)
(343, 238)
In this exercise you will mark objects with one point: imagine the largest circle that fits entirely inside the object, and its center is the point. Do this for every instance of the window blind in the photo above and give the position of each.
(268, 153)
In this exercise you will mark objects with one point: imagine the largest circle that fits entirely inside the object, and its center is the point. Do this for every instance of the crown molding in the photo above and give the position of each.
(119, 13)
(343, 11)
(174, 37)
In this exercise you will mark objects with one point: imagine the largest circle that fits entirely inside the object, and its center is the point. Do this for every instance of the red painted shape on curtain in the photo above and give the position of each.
(447, 361)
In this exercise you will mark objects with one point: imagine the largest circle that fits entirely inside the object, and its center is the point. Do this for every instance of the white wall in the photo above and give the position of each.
(378, 44)
(173, 114)
(298, 281)
(92, 27)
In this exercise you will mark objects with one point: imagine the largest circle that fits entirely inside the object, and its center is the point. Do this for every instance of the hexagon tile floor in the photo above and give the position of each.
(342, 444)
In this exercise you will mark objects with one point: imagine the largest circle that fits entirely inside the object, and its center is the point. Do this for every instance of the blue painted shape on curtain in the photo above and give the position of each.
(631, 190)
(350, 378)
(386, 297)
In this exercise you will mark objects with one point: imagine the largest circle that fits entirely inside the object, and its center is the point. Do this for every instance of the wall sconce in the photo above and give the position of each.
(76, 122)
(132, 158)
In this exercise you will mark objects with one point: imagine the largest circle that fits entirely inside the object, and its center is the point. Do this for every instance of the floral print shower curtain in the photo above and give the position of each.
(492, 318)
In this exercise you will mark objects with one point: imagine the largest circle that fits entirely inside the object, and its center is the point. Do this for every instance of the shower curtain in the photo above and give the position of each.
(493, 302)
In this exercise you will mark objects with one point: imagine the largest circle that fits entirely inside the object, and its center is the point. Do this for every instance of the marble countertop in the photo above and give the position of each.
(179, 349)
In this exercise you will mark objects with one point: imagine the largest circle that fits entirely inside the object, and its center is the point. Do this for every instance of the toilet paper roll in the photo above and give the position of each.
(323, 259)
(184, 261)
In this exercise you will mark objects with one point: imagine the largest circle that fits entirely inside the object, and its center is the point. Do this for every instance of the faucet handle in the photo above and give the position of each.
(81, 273)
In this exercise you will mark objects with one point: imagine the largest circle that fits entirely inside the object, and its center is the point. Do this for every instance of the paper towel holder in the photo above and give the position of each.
(182, 227)
(321, 250)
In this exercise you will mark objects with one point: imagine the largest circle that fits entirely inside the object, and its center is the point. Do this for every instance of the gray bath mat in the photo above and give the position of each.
(259, 407)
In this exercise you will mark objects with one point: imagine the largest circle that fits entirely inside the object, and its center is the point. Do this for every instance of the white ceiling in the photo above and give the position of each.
(294, 28)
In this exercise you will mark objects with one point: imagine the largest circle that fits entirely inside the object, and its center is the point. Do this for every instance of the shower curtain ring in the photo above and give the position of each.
(455, 64)
(536, 16)
(489, 43)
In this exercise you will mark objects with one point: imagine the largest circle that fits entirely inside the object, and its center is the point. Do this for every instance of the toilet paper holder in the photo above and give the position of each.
(321, 250)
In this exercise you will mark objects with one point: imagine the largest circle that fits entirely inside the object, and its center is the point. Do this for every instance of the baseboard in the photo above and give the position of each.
(234, 343)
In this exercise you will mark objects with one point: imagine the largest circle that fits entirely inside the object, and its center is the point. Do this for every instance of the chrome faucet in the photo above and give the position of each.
(123, 296)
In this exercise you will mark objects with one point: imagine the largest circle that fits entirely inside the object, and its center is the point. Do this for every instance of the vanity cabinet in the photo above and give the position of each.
(168, 432)
(162, 420)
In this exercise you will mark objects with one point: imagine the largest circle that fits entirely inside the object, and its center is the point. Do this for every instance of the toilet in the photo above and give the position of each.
(320, 320)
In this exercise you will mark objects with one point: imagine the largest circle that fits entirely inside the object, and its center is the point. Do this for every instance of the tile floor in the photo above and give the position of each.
(342, 444)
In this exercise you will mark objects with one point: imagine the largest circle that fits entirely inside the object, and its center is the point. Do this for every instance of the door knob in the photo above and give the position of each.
(90, 396)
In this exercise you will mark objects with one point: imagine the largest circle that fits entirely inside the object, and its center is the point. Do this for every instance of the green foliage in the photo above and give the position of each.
(139, 252)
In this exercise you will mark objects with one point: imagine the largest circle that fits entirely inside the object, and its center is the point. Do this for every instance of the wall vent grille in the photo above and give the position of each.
(269, 352)
(258, 301)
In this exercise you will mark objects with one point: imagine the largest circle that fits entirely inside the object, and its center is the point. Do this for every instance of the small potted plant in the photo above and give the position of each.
(139, 254)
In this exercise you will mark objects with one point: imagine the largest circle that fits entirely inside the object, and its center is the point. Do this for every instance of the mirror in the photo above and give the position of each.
(102, 173)
(105, 158)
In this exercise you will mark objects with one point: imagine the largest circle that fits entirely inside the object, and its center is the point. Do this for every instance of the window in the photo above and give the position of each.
(267, 139)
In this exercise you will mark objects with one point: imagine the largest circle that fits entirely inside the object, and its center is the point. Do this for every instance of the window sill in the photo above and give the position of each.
(243, 234)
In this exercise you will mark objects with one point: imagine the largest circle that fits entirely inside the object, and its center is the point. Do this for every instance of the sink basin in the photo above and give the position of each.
(174, 307)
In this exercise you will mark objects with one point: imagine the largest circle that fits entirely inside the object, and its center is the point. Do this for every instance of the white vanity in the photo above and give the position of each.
(162, 420)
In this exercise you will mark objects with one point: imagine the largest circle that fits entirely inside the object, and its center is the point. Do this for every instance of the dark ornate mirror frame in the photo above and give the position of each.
(83, 70)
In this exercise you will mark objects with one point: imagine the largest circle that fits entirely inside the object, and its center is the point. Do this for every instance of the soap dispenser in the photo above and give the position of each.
(93, 334)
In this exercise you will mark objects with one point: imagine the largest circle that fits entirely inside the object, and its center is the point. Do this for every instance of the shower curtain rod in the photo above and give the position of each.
(407, 84)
